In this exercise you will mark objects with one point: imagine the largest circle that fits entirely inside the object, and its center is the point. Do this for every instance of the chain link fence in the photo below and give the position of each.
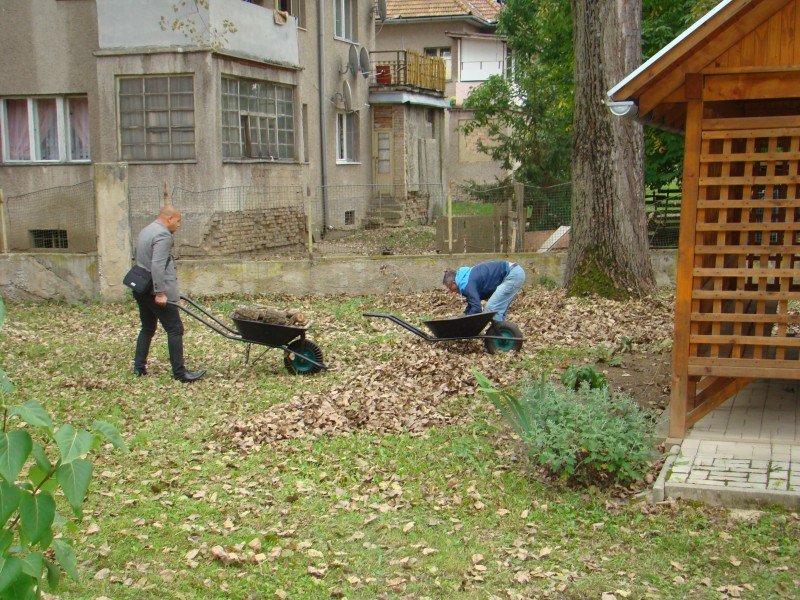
(58, 219)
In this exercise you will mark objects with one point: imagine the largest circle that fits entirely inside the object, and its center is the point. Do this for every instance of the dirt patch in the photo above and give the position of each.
(645, 376)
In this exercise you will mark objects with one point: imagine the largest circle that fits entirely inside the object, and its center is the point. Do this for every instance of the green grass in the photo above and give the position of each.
(473, 208)
(373, 515)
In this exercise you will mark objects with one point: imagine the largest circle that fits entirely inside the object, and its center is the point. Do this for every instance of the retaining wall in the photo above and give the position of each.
(74, 277)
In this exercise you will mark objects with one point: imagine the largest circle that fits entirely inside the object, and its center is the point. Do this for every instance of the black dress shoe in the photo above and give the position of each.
(190, 376)
(140, 371)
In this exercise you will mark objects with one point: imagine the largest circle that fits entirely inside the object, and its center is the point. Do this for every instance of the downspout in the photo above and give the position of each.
(323, 113)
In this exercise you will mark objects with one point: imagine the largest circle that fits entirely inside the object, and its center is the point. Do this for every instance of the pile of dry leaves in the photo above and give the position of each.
(406, 384)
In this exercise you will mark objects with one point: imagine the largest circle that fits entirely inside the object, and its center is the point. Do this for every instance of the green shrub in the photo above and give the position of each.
(585, 436)
(37, 458)
(576, 375)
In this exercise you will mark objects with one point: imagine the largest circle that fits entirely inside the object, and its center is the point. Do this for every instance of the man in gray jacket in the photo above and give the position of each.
(159, 304)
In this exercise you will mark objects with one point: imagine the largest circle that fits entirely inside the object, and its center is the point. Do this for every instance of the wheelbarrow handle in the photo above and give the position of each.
(404, 324)
(220, 327)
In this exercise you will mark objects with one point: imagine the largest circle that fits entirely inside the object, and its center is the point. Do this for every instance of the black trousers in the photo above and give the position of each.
(169, 316)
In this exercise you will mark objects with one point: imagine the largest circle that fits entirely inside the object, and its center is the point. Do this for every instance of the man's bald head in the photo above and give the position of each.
(170, 217)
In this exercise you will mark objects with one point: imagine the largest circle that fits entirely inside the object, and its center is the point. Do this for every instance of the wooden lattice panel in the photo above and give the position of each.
(746, 272)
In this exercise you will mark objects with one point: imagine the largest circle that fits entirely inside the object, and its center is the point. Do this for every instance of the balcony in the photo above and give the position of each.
(128, 26)
(407, 70)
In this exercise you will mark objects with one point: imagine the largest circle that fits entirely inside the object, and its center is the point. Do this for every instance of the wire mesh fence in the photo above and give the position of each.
(376, 219)
(368, 220)
(58, 219)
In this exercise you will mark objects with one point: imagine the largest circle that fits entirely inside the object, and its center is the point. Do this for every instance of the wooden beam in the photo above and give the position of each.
(753, 86)
(715, 394)
(679, 396)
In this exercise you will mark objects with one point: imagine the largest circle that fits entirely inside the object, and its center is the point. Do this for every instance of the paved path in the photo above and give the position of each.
(744, 453)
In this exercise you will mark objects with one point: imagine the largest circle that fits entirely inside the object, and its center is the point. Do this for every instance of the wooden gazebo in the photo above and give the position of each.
(731, 82)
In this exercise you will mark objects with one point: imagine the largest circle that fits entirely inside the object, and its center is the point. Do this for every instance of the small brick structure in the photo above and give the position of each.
(258, 232)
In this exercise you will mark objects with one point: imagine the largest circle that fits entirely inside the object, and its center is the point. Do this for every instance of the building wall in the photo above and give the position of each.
(460, 164)
(28, 32)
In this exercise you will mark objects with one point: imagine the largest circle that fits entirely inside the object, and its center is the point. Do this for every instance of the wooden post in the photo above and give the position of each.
(450, 219)
(4, 244)
(519, 195)
(686, 249)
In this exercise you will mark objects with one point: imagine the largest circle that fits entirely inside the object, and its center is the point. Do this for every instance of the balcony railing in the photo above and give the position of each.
(406, 68)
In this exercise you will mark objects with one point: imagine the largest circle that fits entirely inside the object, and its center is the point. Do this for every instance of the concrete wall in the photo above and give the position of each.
(126, 24)
(464, 161)
(74, 277)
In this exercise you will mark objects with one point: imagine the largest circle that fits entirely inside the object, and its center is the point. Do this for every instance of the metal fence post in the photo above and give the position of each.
(3, 225)
(450, 219)
(309, 232)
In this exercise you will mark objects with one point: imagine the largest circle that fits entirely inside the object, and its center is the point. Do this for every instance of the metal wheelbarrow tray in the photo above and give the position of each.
(501, 336)
(301, 355)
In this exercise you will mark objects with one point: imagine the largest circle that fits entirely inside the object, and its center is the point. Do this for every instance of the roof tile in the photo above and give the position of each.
(483, 9)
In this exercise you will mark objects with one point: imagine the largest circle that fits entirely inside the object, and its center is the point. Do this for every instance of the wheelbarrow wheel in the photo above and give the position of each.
(504, 329)
(295, 362)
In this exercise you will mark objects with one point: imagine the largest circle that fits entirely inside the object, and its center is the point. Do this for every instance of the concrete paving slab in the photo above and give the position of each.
(743, 454)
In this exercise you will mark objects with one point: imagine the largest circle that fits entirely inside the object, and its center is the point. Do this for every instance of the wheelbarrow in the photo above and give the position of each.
(301, 355)
(501, 336)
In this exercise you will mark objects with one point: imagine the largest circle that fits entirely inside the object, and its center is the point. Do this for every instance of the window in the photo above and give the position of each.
(296, 8)
(446, 56)
(156, 117)
(49, 238)
(52, 129)
(257, 120)
(343, 11)
(346, 137)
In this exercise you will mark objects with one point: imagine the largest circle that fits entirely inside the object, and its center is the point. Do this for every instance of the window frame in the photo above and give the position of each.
(62, 125)
(170, 128)
(347, 134)
(274, 146)
(344, 20)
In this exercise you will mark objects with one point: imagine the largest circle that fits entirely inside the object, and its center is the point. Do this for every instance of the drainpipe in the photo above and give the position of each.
(323, 112)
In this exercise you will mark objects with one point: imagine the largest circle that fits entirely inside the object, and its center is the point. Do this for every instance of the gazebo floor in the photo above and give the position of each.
(744, 454)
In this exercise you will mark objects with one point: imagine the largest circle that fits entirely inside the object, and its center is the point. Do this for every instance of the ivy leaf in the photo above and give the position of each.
(74, 478)
(65, 556)
(108, 431)
(14, 449)
(9, 501)
(73, 443)
(33, 565)
(10, 568)
(34, 414)
(36, 515)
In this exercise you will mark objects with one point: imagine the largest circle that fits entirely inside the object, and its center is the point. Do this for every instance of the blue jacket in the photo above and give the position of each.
(479, 282)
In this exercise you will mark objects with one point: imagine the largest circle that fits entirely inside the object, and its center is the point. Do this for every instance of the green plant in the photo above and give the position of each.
(28, 543)
(546, 281)
(576, 375)
(586, 436)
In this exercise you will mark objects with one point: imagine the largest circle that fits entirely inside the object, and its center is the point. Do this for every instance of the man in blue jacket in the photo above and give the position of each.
(496, 281)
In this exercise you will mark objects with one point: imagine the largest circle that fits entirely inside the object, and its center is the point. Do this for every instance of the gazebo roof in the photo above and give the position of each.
(735, 37)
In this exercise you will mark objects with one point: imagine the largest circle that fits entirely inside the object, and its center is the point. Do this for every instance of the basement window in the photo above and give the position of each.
(349, 217)
(49, 238)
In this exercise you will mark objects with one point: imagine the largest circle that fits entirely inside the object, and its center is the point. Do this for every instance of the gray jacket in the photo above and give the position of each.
(154, 253)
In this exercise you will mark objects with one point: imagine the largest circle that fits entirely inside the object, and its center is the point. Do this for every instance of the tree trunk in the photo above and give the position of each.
(608, 250)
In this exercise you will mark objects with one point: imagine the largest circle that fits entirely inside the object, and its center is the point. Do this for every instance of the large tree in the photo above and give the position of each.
(608, 240)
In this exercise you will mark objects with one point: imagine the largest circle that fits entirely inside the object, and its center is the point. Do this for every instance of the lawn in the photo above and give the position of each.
(385, 477)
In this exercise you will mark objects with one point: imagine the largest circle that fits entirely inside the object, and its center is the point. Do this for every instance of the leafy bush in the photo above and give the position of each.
(586, 436)
(27, 544)
(576, 375)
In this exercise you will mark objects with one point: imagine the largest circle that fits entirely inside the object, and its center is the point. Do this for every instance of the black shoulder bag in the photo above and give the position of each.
(138, 279)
